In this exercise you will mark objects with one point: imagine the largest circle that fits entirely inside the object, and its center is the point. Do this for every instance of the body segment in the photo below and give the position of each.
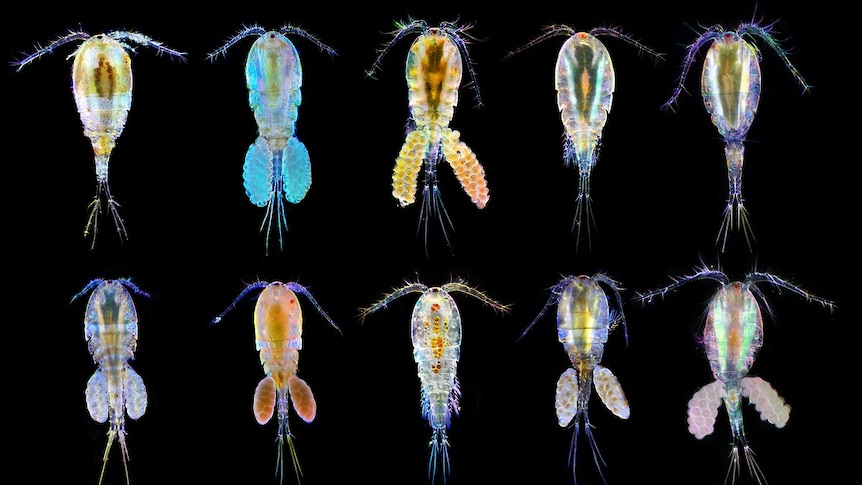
(434, 69)
(278, 339)
(732, 337)
(102, 87)
(584, 320)
(277, 165)
(435, 331)
(111, 332)
(730, 87)
(584, 79)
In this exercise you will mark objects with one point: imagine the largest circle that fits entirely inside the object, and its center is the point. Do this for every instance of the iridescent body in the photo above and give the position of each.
(730, 85)
(584, 78)
(111, 332)
(732, 337)
(277, 166)
(435, 330)
(434, 69)
(102, 86)
(278, 338)
(584, 320)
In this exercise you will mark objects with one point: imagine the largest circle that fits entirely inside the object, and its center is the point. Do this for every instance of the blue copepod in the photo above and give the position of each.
(434, 69)
(730, 85)
(278, 338)
(277, 165)
(111, 332)
(584, 79)
(732, 337)
(102, 86)
(584, 320)
(435, 329)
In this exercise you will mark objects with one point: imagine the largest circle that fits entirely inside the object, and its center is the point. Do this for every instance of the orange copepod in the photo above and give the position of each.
(278, 337)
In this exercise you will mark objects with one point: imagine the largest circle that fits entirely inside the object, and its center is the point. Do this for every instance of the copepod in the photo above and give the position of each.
(434, 68)
(732, 337)
(585, 80)
(278, 338)
(111, 332)
(730, 85)
(277, 166)
(102, 86)
(435, 329)
(584, 320)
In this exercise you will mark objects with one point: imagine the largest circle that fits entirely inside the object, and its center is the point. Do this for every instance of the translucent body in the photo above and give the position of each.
(732, 337)
(731, 87)
(102, 87)
(278, 338)
(435, 331)
(585, 80)
(584, 320)
(277, 165)
(111, 332)
(434, 70)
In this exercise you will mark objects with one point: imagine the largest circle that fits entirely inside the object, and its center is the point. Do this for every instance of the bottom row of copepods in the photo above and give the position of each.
(732, 336)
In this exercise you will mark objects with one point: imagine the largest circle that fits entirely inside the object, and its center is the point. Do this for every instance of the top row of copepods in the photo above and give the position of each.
(277, 165)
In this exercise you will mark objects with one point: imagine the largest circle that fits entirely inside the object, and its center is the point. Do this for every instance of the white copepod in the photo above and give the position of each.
(111, 332)
(434, 69)
(102, 86)
(277, 165)
(278, 338)
(585, 80)
(435, 329)
(732, 337)
(584, 320)
(731, 85)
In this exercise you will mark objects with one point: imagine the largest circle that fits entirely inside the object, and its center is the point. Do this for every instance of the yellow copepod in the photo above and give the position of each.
(111, 332)
(278, 338)
(434, 69)
(102, 86)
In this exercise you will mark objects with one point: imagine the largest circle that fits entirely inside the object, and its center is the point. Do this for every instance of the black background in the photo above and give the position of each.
(658, 191)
